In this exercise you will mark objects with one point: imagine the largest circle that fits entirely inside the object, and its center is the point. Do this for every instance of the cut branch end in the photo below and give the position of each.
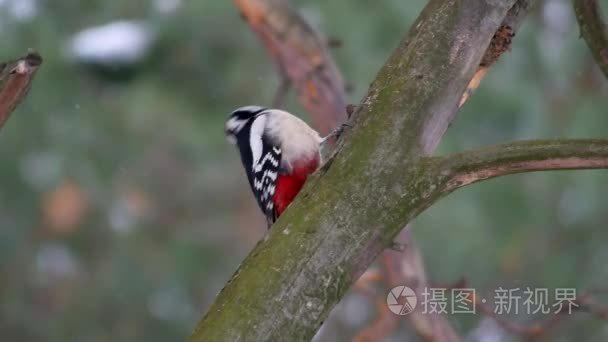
(15, 80)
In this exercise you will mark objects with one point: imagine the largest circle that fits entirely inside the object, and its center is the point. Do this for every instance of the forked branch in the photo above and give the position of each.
(350, 211)
(379, 180)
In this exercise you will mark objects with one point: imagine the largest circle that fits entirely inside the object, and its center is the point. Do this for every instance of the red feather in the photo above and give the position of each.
(288, 185)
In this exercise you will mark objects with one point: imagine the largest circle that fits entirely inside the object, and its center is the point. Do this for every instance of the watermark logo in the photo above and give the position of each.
(401, 300)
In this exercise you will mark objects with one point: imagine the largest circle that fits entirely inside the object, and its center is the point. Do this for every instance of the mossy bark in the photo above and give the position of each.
(377, 182)
(521, 156)
(593, 30)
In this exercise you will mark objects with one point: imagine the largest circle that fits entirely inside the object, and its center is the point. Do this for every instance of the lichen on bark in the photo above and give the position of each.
(347, 214)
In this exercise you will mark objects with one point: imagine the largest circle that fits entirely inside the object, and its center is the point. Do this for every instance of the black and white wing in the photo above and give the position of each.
(265, 173)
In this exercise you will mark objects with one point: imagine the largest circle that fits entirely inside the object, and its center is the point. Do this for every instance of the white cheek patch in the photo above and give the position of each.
(235, 125)
(231, 139)
(255, 139)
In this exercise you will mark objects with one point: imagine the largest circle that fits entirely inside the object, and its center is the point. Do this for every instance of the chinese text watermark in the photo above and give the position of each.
(402, 300)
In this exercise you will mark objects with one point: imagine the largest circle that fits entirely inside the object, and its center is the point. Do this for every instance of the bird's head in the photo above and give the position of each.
(239, 119)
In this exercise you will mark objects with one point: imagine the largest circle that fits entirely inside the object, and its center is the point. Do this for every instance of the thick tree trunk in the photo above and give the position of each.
(380, 178)
(351, 210)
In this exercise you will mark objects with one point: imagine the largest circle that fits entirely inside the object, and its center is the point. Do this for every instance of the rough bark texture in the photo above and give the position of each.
(593, 30)
(351, 210)
(408, 268)
(287, 35)
(15, 81)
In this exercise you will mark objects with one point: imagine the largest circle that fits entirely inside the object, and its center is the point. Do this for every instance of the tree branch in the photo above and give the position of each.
(353, 208)
(593, 30)
(408, 268)
(536, 330)
(523, 156)
(15, 81)
(262, 16)
(300, 54)
(378, 180)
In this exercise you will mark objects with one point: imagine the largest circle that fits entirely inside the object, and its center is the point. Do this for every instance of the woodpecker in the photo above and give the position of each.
(278, 150)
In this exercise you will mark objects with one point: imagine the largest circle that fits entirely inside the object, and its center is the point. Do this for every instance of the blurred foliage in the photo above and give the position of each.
(123, 210)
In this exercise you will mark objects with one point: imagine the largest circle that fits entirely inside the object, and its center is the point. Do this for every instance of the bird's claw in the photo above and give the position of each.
(337, 133)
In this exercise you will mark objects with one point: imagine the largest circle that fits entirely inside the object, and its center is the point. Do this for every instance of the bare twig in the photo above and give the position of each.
(529, 329)
(386, 322)
(593, 30)
(301, 55)
(15, 81)
(407, 268)
(584, 303)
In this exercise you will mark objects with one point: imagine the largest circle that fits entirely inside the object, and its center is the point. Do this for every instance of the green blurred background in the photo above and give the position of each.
(123, 210)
